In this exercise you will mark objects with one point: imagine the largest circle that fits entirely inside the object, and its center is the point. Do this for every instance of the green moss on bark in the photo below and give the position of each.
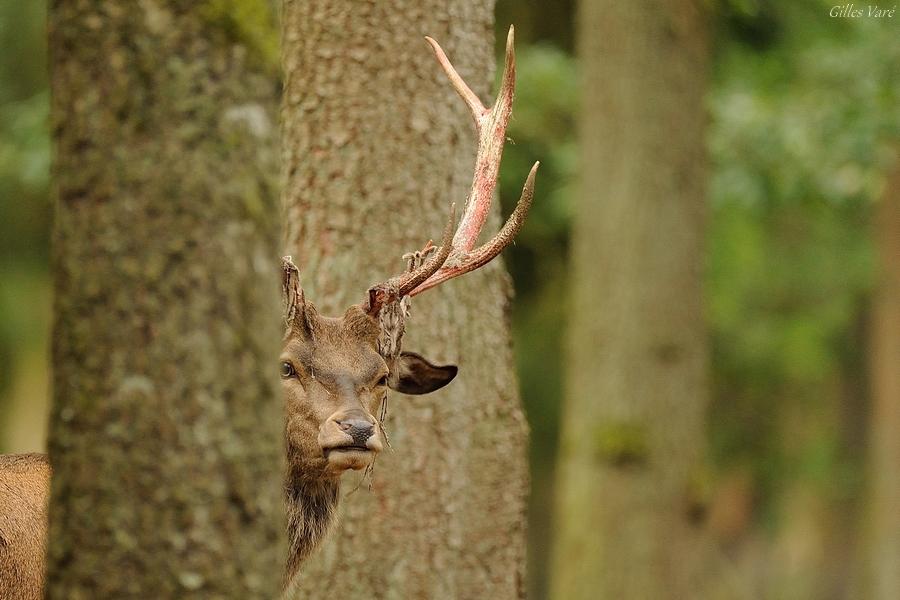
(250, 23)
(622, 444)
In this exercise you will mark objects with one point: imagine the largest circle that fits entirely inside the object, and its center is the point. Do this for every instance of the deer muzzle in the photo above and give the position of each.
(350, 440)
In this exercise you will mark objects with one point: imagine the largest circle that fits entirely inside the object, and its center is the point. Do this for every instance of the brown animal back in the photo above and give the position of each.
(24, 491)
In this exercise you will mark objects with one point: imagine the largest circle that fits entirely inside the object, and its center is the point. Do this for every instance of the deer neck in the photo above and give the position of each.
(311, 510)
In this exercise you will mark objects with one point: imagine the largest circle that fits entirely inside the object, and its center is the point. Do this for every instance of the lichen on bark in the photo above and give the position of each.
(166, 426)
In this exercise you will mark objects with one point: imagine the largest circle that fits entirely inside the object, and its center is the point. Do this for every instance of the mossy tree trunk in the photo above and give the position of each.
(632, 434)
(376, 145)
(166, 428)
(883, 556)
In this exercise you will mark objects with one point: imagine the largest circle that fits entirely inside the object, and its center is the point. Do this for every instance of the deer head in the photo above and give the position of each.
(336, 371)
(335, 375)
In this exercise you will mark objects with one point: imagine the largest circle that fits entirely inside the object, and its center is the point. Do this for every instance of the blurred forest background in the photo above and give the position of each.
(804, 120)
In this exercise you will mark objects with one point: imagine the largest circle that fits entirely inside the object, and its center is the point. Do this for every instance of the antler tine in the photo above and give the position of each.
(400, 285)
(488, 251)
(462, 88)
(408, 282)
(490, 126)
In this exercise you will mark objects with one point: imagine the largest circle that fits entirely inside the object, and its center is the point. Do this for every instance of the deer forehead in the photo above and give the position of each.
(340, 349)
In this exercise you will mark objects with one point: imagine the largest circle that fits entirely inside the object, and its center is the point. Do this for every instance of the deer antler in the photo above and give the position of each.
(490, 127)
(457, 257)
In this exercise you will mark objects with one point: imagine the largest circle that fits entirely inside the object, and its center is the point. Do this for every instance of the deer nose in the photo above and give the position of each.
(359, 429)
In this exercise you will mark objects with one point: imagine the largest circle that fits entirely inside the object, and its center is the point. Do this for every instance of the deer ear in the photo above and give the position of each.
(291, 293)
(415, 375)
(296, 309)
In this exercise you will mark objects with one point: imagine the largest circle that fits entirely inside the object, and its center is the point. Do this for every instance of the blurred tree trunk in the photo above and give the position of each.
(632, 434)
(376, 145)
(166, 429)
(884, 526)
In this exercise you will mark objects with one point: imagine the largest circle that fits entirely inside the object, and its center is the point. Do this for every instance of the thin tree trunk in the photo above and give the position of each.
(166, 428)
(376, 145)
(633, 423)
(884, 509)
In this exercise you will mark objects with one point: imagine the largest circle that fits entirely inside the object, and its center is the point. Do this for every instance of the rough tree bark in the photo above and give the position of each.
(166, 429)
(633, 423)
(376, 145)
(884, 462)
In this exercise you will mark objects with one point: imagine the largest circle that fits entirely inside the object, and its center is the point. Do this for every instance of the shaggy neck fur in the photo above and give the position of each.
(311, 510)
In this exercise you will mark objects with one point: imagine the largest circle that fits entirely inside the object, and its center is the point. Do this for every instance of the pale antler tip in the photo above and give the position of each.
(509, 66)
(459, 85)
(437, 50)
(528, 190)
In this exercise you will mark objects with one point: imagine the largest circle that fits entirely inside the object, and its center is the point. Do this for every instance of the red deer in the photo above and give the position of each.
(335, 371)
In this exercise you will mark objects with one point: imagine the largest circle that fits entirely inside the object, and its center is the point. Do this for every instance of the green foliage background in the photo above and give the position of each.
(804, 121)
(24, 221)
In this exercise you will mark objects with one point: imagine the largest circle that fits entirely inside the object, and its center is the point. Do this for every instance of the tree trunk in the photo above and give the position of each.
(884, 525)
(166, 429)
(633, 424)
(376, 145)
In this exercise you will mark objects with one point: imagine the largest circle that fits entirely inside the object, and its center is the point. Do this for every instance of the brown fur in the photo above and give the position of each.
(24, 490)
(311, 510)
(337, 372)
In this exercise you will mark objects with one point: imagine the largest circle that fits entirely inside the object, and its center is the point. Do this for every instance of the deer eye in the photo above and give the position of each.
(383, 381)
(287, 370)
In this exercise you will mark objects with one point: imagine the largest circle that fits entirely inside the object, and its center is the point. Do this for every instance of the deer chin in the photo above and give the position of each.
(346, 458)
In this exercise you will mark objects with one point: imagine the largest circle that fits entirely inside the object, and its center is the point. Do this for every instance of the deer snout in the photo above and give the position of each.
(349, 440)
(358, 429)
(350, 429)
